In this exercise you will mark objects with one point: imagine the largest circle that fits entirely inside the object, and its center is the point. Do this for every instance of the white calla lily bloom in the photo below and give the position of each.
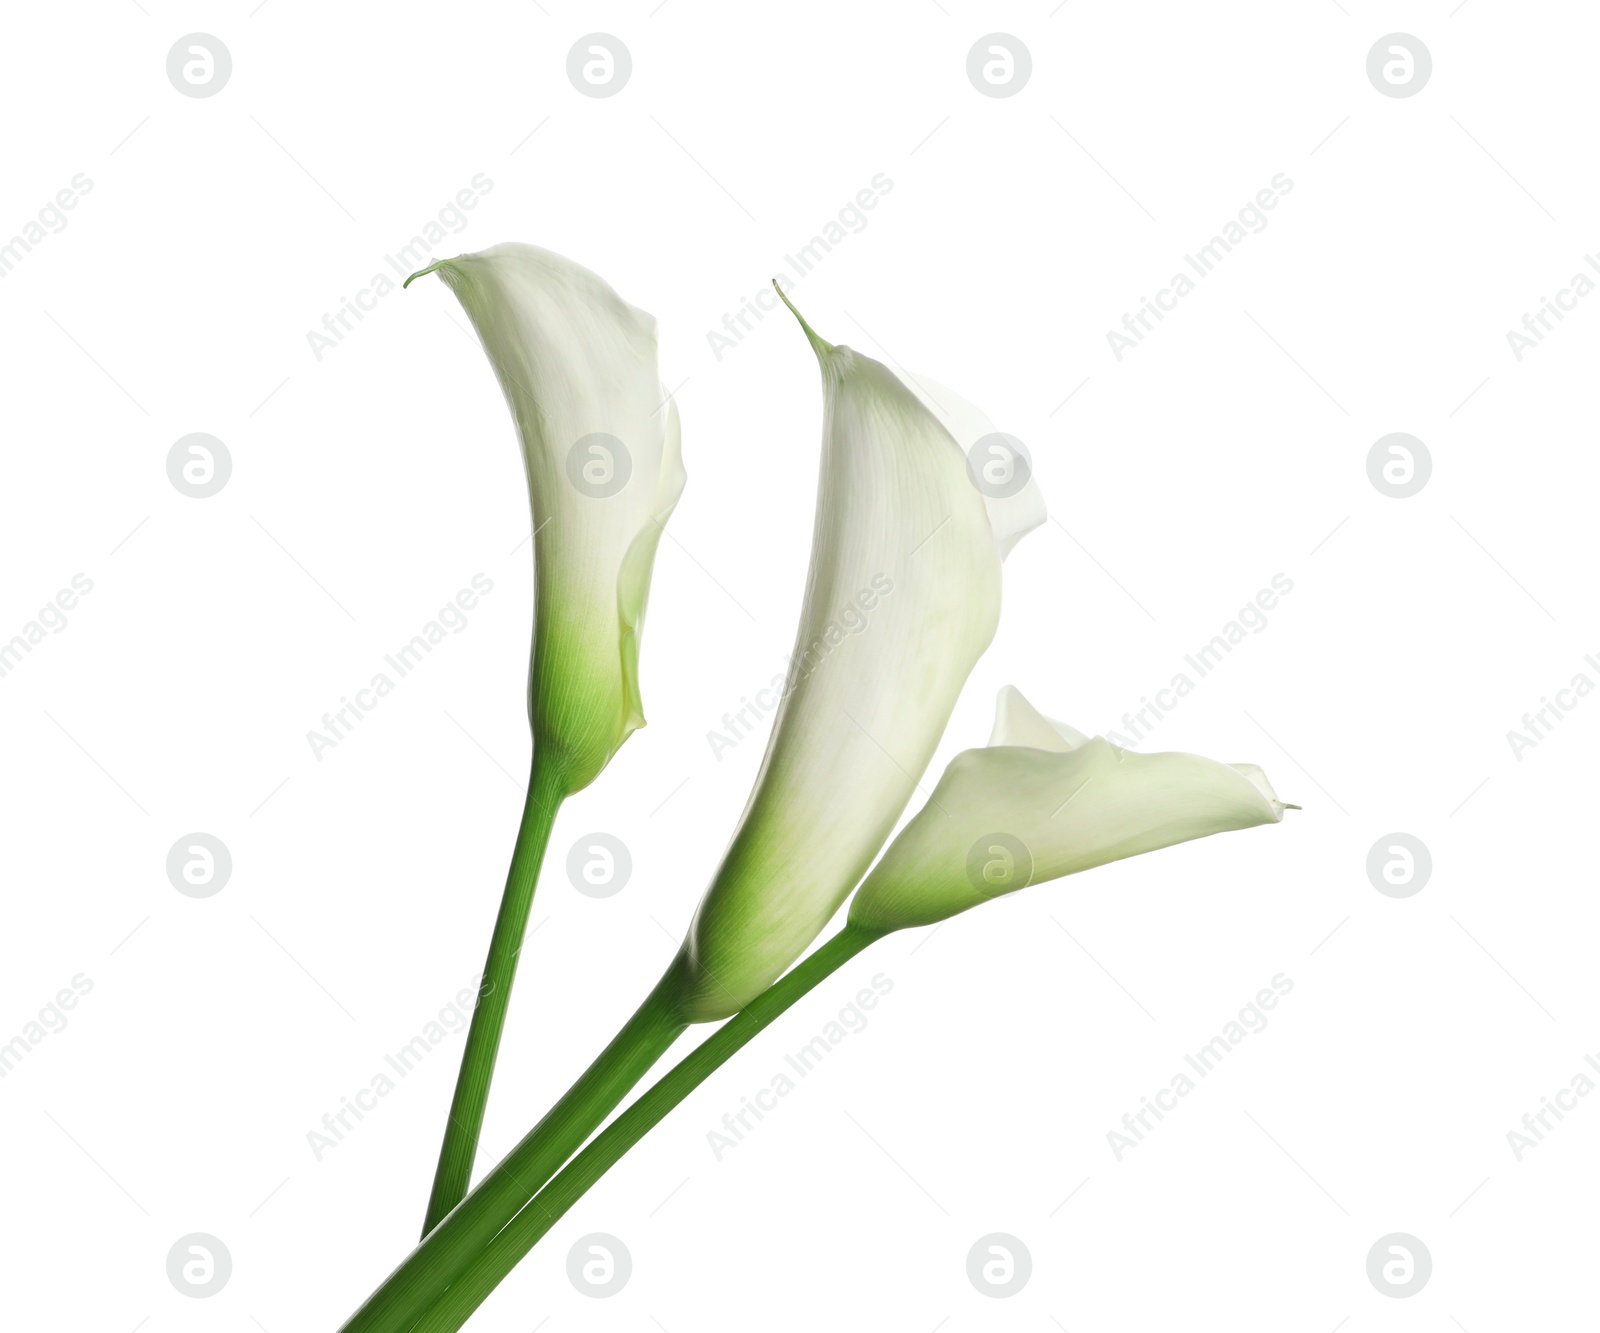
(600, 444)
(902, 598)
(1043, 800)
(599, 436)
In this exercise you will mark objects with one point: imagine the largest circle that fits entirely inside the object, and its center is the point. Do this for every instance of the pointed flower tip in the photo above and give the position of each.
(818, 345)
(1287, 806)
(423, 272)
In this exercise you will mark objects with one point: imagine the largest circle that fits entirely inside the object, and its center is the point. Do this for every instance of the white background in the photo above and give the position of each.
(370, 485)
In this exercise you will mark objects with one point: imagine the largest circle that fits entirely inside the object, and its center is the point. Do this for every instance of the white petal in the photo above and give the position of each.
(1008, 816)
(577, 365)
(1258, 779)
(1012, 517)
(902, 597)
(1017, 722)
(633, 577)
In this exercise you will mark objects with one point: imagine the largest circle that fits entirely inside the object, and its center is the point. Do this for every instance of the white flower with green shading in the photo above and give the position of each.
(599, 436)
(600, 444)
(902, 598)
(1043, 800)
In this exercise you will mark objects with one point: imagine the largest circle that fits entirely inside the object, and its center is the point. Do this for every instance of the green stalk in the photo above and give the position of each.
(447, 1250)
(523, 1231)
(546, 791)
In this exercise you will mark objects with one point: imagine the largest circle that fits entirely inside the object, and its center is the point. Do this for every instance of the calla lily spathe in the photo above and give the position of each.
(600, 445)
(902, 597)
(1043, 800)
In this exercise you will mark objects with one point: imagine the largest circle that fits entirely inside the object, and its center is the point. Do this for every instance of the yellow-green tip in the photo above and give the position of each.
(818, 345)
(423, 272)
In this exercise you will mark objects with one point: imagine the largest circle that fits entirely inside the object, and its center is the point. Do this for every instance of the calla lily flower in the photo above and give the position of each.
(902, 598)
(1043, 800)
(600, 447)
(600, 444)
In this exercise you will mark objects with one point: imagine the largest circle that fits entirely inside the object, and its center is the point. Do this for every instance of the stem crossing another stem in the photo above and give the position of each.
(523, 1231)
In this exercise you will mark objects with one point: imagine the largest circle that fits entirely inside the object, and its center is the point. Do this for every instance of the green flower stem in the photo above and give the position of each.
(546, 791)
(447, 1250)
(523, 1231)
